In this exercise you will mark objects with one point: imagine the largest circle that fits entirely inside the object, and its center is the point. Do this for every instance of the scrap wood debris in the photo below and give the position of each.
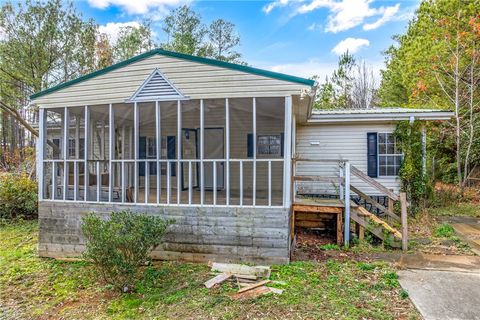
(250, 280)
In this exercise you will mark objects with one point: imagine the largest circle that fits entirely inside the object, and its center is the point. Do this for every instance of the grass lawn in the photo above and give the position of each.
(429, 234)
(38, 288)
(468, 209)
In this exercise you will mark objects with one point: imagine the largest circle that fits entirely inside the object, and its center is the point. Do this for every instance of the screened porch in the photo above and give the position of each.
(211, 152)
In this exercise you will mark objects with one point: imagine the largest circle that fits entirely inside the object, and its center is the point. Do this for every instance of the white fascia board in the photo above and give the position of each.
(334, 118)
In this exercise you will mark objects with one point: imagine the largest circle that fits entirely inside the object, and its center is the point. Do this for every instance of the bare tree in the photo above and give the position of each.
(363, 88)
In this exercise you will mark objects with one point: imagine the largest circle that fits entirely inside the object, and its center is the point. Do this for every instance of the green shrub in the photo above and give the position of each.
(18, 196)
(403, 294)
(366, 266)
(444, 231)
(120, 245)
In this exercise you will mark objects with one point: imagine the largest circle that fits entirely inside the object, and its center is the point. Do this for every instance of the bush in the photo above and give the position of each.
(18, 196)
(120, 245)
(444, 231)
(446, 195)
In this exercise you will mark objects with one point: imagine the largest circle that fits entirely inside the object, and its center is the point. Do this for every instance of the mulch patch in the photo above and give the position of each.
(309, 244)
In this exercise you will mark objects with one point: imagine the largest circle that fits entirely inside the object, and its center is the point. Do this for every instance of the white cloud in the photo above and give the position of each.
(112, 29)
(154, 9)
(352, 45)
(343, 14)
(275, 4)
(314, 27)
(388, 14)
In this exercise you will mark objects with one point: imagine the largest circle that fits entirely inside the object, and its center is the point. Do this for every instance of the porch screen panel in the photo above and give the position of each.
(75, 153)
(48, 177)
(97, 169)
(214, 151)
(241, 160)
(53, 154)
(190, 168)
(53, 146)
(168, 152)
(123, 132)
(147, 153)
(270, 118)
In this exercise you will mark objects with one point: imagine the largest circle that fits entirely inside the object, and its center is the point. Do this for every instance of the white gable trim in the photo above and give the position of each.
(162, 90)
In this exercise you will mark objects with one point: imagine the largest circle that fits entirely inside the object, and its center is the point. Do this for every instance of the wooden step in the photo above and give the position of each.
(364, 218)
(364, 212)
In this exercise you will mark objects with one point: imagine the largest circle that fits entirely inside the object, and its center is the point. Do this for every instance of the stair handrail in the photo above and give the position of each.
(373, 183)
(389, 193)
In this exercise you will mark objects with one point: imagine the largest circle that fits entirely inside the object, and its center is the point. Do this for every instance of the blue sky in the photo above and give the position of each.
(297, 37)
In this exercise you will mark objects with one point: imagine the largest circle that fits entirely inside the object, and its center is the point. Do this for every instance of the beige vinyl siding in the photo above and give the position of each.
(339, 141)
(195, 80)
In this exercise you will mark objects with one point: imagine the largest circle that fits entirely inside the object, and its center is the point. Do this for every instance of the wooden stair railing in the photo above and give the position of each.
(373, 183)
(375, 203)
(377, 226)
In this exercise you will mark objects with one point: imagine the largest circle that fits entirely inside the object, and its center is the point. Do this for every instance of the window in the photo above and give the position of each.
(71, 148)
(269, 144)
(389, 157)
(151, 147)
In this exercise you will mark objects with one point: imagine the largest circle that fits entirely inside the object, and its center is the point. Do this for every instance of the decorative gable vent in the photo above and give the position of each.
(157, 87)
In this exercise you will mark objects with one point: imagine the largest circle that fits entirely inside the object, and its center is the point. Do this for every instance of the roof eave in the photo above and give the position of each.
(334, 118)
(218, 63)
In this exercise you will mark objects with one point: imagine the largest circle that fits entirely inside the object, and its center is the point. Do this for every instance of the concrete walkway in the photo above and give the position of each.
(443, 294)
(442, 287)
(467, 229)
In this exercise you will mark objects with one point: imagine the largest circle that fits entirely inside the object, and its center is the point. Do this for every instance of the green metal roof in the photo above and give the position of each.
(212, 62)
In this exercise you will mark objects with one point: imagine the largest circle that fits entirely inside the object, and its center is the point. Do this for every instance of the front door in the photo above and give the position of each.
(214, 149)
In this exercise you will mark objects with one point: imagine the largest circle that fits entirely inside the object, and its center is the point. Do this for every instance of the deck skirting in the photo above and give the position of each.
(198, 234)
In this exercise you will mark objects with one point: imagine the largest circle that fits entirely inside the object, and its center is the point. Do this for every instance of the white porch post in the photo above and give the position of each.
(135, 146)
(158, 146)
(346, 223)
(111, 150)
(202, 189)
(179, 150)
(254, 191)
(40, 150)
(66, 139)
(287, 156)
(86, 174)
(227, 153)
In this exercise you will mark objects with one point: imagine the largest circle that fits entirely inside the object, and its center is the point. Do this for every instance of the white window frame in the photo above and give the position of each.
(270, 135)
(386, 155)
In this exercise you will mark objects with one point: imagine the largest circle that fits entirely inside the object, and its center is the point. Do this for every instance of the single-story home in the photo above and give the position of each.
(224, 150)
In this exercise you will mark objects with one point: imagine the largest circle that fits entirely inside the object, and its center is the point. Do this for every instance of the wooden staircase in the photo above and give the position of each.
(378, 227)
(360, 216)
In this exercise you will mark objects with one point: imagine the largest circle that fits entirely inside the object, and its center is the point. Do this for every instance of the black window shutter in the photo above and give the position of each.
(282, 139)
(172, 153)
(250, 145)
(142, 154)
(372, 154)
